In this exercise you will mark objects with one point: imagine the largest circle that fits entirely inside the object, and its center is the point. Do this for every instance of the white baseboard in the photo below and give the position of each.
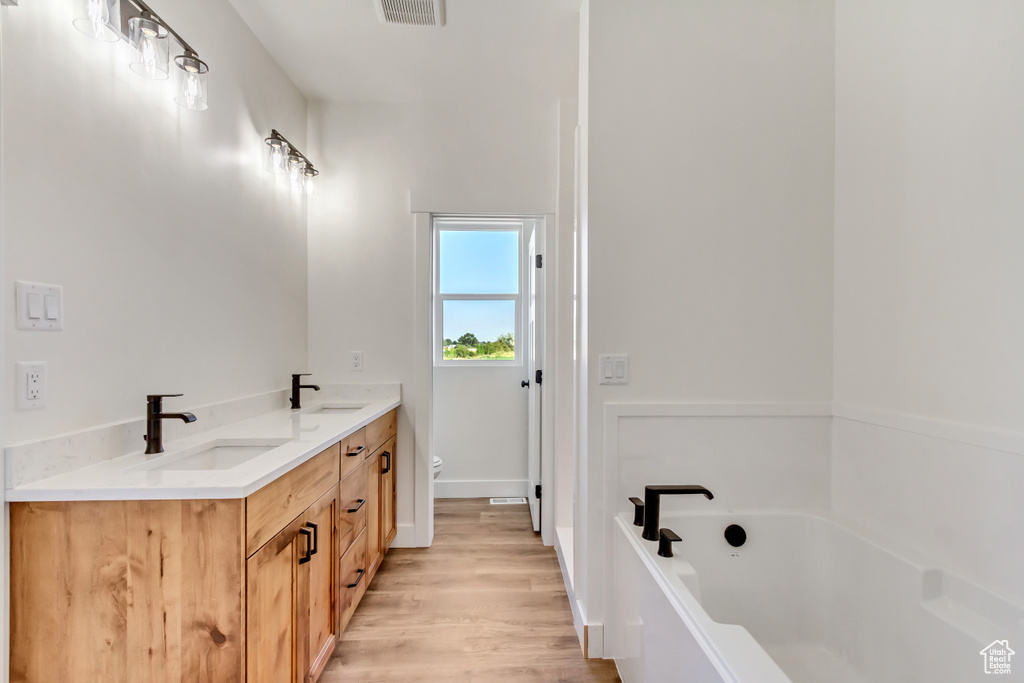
(405, 537)
(480, 488)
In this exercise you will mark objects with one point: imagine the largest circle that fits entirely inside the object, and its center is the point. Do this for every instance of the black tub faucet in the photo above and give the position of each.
(652, 504)
(296, 386)
(155, 421)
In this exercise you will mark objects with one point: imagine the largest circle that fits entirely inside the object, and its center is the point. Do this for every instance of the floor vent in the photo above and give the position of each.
(411, 12)
(508, 501)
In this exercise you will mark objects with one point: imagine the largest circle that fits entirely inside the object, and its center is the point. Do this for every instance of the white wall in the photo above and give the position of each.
(480, 431)
(380, 163)
(929, 326)
(183, 266)
(710, 130)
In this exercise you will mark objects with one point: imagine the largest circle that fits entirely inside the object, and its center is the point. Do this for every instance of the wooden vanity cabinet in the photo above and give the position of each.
(253, 590)
(388, 523)
(291, 598)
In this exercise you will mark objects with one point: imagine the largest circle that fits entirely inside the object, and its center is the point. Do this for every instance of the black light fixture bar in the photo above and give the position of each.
(294, 150)
(137, 8)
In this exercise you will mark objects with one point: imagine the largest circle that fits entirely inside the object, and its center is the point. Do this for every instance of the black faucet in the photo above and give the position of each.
(652, 504)
(296, 385)
(155, 421)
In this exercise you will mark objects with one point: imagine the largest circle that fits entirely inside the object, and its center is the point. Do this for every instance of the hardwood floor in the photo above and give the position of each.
(485, 603)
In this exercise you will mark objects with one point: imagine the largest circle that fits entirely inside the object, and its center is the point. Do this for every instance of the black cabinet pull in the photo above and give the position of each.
(362, 572)
(361, 501)
(356, 451)
(387, 468)
(525, 383)
(316, 537)
(309, 545)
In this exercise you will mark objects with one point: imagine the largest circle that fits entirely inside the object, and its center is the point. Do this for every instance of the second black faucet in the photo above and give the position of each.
(297, 385)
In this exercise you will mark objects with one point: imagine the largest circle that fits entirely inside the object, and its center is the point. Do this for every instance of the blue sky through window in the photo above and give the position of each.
(479, 262)
(488, 320)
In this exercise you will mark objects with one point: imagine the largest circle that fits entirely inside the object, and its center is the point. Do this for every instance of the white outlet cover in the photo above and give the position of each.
(31, 386)
(32, 313)
(356, 364)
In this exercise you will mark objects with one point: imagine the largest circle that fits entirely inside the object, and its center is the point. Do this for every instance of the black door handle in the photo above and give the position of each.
(525, 383)
(362, 572)
(361, 501)
(387, 468)
(316, 537)
(309, 545)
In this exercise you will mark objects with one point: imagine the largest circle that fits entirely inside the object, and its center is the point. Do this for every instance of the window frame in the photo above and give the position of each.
(441, 224)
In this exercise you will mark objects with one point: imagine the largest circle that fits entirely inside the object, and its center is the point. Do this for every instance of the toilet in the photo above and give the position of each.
(438, 465)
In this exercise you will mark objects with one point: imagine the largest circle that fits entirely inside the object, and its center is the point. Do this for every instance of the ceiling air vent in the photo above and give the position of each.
(411, 12)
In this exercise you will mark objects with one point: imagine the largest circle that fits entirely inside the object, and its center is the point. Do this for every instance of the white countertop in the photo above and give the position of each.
(137, 476)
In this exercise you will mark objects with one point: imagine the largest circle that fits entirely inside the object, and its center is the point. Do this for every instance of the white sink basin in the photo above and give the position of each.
(338, 408)
(221, 454)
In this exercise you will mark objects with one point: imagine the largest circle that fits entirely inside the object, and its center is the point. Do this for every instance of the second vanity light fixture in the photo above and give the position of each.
(284, 158)
(148, 39)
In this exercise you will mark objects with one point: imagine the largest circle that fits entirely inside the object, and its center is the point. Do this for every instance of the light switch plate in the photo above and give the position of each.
(31, 386)
(39, 307)
(613, 368)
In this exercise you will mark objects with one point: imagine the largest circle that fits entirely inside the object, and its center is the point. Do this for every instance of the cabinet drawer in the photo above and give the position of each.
(354, 577)
(354, 500)
(275, 505)
(353, 451)
(380, 430)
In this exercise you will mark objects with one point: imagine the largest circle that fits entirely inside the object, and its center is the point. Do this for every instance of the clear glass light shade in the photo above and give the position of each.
(296, 169)
(277, 155)
(99, 19)
(310, 182)
(148, 47)
(191, 84)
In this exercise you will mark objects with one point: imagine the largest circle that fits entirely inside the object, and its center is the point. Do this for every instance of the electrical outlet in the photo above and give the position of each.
(31, 386)
(357, 361)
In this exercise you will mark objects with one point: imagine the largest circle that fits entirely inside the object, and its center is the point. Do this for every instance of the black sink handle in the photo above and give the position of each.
(638, 511)
(665, 540)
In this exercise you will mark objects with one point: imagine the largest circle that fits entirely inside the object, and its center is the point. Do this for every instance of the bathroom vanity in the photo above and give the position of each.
(249, 574)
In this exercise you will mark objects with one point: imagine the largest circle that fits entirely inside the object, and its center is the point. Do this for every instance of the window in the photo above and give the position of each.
(477, 285)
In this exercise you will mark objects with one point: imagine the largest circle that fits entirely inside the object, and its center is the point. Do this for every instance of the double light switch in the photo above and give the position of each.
(613, 368)
(40, 307)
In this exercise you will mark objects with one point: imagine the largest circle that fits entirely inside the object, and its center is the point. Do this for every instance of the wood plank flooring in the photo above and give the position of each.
(484, 603)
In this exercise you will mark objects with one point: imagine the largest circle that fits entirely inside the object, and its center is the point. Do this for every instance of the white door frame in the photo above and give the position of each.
(423, 393)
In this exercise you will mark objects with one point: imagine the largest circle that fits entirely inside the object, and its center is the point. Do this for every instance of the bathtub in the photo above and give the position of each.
(804, 600)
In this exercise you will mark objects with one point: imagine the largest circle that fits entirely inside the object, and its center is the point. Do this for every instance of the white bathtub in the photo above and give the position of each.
(804, 600)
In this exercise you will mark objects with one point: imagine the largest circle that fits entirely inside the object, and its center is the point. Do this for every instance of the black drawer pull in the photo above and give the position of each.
(309, 545)
(362, 573)
(387, 468)
(356, 451)
(316, 537)
(361, 502)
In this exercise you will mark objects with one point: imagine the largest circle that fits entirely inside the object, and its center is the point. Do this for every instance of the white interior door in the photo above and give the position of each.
(535, 339)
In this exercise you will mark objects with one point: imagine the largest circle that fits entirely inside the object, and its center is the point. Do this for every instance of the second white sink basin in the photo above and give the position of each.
(338, 408)
(220, 454)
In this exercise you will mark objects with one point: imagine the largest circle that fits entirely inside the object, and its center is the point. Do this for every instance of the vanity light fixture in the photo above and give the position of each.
(283, 157)
(100, 19)
(149, 45)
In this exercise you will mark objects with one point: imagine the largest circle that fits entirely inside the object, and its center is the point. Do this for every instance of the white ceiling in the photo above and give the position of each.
(337, 50)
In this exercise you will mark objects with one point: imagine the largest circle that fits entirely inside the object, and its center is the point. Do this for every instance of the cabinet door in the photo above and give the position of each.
(273, 647)
(373, 554)
(388, 524)
(318, 583)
